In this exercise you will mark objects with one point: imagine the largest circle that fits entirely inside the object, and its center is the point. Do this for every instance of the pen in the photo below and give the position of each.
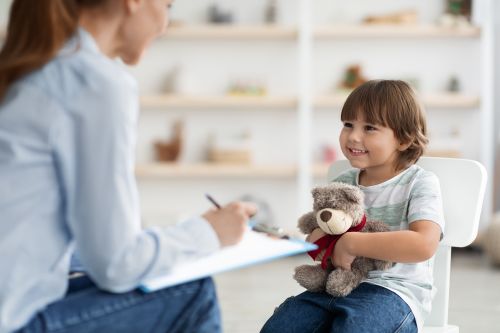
(271, 230)
(212, 200)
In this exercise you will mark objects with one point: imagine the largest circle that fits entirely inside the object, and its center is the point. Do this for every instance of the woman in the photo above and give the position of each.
(67, 118)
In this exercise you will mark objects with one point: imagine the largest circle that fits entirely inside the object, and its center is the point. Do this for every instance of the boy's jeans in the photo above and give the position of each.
(190, 307)
(368, 308)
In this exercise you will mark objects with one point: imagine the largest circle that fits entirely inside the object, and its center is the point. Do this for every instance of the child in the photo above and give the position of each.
(383, 136)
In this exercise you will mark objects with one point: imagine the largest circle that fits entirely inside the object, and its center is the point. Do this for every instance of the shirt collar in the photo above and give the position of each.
(81, 40)
(87, 41)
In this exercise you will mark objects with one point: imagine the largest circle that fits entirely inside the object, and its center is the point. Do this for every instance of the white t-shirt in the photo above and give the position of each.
(410, 196)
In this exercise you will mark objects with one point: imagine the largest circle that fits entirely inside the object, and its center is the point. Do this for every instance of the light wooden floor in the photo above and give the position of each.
(249, 296)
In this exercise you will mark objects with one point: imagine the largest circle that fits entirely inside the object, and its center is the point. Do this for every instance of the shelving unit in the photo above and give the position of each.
(305, 38)
(303, 33)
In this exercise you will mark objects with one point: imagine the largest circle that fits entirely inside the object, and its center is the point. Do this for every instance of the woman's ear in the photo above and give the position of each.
(132, 6)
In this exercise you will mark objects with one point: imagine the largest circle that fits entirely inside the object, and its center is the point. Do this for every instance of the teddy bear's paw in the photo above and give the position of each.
(313, 278)
(337, 290)
(341, 282)
(382, 265)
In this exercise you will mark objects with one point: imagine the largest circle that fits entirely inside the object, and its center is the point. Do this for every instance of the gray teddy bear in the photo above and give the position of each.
(337, 208)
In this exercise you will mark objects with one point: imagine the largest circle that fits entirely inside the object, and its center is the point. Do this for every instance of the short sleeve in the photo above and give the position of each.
(425, 200)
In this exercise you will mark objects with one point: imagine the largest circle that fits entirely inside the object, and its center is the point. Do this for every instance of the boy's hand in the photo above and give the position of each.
(342, 254)
(315, 235)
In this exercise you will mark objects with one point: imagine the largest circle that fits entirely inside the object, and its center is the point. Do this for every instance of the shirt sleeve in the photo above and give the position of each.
(425, 200)
(347, 177)
(94, 144)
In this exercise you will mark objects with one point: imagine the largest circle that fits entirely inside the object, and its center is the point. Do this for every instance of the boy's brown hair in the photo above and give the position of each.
(391, 103)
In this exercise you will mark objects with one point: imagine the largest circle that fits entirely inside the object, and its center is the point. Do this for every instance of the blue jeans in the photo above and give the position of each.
(190, 307)
(368, 308)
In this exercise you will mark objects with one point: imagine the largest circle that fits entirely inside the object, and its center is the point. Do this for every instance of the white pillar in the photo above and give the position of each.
(304, 116)
(487, 149)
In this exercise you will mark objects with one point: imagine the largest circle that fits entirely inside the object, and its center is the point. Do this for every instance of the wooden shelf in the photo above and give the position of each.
(438, 101)
(224, 102)
(207, 170)
(230, 32)
(320, 170)
(450, 153)
(457, 101)
(444, 101)
(395, 31)
(334, 31)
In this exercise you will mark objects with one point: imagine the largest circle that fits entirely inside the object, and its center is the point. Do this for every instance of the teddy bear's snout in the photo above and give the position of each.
(325, 215)
(333, 222)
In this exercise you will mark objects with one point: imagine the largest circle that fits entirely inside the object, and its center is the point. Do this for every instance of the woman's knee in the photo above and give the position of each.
(206, 290)
(207, 285)
(202, 291)
(199, 308)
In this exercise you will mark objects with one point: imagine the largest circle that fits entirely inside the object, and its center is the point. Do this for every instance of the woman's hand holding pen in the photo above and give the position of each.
(230, 222)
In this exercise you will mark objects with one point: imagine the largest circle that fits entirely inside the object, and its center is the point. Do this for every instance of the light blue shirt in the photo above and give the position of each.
(67, 142)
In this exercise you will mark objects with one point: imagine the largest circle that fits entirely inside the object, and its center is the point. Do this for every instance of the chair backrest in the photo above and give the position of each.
(463, 184)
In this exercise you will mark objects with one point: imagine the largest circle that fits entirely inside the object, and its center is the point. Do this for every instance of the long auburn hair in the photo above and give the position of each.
(36, 31)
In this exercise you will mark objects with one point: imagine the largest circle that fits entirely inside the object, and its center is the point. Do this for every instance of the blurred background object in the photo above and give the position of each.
(230, 148)
(271, 12)
(169, 150)
(217, 15)
(409, 16)
(353, 78)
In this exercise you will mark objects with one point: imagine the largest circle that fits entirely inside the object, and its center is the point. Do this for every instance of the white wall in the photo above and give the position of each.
(496, 189)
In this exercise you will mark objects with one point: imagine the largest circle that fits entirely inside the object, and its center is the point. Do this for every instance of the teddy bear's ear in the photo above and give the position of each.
(315, 192)
(352, 194)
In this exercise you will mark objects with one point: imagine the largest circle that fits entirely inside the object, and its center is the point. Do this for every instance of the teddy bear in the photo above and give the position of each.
(337, 208)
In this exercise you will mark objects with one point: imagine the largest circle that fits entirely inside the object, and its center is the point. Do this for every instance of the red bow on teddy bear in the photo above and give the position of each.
(328, 242)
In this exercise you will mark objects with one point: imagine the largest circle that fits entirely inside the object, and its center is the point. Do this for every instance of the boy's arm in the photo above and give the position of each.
(417, 244)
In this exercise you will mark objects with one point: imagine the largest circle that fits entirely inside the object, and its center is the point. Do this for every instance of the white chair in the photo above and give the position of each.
(463, 184)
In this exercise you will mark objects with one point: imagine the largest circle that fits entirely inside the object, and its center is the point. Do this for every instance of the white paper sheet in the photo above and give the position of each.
(253, 249)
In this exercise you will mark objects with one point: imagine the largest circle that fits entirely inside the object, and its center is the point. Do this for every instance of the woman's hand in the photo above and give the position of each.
(342, 254)
(229, 222)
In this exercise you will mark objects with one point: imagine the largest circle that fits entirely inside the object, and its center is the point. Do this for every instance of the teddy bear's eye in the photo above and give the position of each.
(325, 216)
